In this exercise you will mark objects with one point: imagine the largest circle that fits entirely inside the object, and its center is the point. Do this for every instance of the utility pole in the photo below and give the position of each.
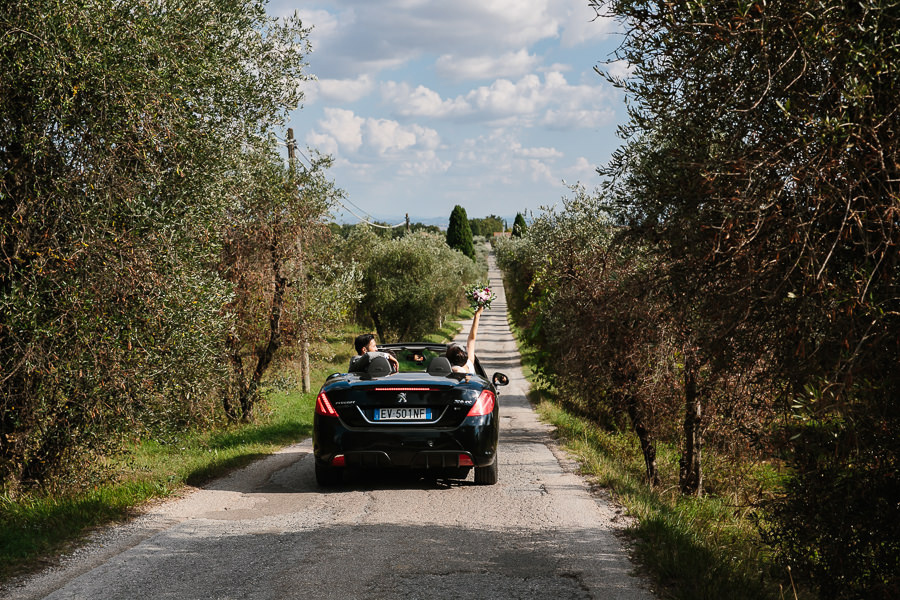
(290, 147)
(407, 222)
(304, 335)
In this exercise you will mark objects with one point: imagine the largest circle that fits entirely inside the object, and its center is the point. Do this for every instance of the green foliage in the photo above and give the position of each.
(762, 164)
(693, 547)
(343, 230)
(486, 226)
(519, 226)
(854, 547)
(287, 290)
(414, 228)
(124, 127)
(594, 308)
(409, 284)
(752, 267)
(459, 235)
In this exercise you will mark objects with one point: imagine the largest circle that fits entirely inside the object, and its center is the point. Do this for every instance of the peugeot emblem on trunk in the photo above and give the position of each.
(401, 398)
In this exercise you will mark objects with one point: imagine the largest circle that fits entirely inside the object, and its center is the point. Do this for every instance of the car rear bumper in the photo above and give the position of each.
(406, 447)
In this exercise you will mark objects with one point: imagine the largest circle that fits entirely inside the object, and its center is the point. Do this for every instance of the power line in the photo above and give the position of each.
(367, 221)
(353, 204)
(292, 147)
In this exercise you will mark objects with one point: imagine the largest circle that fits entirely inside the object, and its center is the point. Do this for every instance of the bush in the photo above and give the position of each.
(409, 284)
(838, 517)
(123, 126)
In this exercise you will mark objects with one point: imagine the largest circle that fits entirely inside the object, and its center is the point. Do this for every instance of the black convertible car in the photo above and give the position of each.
(423, 418)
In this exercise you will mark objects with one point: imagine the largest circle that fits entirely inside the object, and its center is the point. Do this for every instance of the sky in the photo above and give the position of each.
(490, 104)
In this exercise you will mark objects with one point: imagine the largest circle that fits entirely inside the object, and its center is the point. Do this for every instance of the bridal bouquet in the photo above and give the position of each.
(480, 296)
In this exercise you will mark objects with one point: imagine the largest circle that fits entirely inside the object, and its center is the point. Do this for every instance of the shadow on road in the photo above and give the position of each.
(387, 561)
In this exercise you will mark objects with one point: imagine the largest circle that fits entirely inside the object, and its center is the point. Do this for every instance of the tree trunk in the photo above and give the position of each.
(237, 366)
(647, 446)
(267, 353)
(378, 329)
(304, 361)
(690, 476)
(248, 392)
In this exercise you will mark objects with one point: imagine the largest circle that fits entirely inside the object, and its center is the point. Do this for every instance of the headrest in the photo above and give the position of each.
(439, 366)
(379, 367)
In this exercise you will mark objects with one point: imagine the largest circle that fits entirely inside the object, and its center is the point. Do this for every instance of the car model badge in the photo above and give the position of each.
(401, 398)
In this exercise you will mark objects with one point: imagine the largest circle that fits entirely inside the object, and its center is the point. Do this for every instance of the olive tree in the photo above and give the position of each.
(409, 284)
(762, 158)
(122, 132)
(285, 290)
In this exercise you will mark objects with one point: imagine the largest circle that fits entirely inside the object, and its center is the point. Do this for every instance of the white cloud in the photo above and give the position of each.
(485, 24)
(424, 163)
(324, 143)
(350, 137)
(486, 103)
(578, 119)
(511, 64)
(503, 159)
(385, 136)
(343, 127)
(556, 67)
(504, 97)
(323, 23)
(340, 91)
(620, 69)
(551, 102)
(582, 25)
(539, 153)
(540, 172)
(352, 37)
(582, 170)
(421, 101)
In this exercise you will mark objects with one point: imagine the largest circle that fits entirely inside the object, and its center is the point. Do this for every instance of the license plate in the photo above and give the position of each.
(403, 414)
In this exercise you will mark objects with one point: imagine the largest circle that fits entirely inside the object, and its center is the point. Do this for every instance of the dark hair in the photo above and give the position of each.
(456, 355)
(362, 341)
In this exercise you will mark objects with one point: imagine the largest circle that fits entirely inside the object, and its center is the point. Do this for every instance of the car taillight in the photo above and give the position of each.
(465, 460)
(323, 406)
(484, 405)
(338, 461)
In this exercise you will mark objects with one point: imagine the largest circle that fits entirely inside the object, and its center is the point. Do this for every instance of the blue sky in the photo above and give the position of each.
(490, 104)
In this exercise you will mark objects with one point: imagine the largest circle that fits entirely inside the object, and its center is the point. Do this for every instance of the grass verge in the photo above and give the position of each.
(692, 548)
(36, 527)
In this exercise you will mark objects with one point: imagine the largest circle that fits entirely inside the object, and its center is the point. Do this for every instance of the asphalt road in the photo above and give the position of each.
(267, 531)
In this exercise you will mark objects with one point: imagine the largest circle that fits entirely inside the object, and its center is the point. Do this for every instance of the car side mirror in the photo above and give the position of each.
(500, 379)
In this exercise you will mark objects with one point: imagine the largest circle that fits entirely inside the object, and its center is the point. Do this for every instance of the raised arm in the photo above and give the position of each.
(473, 333)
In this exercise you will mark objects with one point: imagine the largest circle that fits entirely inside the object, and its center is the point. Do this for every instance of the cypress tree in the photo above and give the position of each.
(519, 226)
(459, 234)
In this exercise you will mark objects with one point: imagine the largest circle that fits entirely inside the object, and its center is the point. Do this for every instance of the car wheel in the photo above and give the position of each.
(487, 475)
(328, 476)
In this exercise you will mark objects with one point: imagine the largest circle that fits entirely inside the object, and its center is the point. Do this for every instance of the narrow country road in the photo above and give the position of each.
(267, 531)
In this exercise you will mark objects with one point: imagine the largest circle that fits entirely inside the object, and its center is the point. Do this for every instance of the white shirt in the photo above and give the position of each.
(469, 367)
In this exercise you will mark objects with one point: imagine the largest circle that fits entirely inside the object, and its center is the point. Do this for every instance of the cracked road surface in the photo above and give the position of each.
(267, 531)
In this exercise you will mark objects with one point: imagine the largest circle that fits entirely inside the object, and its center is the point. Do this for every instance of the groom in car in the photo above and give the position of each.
(366, 350)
